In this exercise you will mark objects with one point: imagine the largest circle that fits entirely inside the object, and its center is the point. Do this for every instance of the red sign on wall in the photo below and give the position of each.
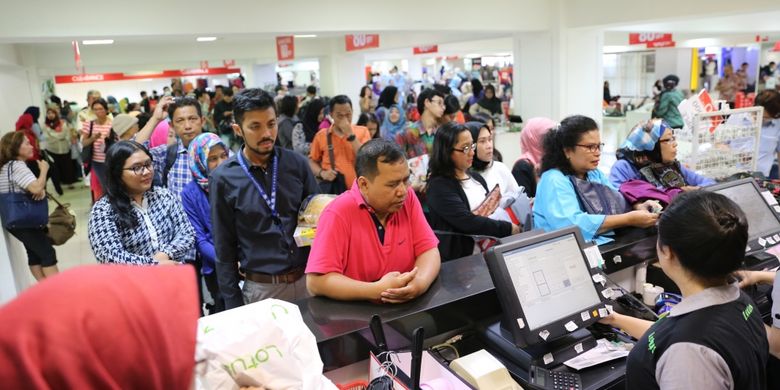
(653, 45)
(361, 41)
(97, 77)
(285, 48)
(638, 38)
(425, 49)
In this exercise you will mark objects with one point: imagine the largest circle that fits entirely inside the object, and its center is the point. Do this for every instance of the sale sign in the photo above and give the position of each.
(425, 49)
(640, 38)
(361, 41)
(285, 48)
(653, 45)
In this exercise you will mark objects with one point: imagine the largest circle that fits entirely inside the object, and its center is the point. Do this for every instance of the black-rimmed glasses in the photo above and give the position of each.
(593, 148)
(467, 149)
(140, 168)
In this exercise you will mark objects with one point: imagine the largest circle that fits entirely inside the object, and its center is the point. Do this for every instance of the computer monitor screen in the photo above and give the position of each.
(761, 218)
(551, 280)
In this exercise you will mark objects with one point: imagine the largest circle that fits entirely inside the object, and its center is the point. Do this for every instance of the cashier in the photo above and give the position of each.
(373, 241)
(714, 338)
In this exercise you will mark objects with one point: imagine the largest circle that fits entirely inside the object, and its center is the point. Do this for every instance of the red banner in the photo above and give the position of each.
(653, 45)
(361, 41)
(285, 48)
(639, 38)
(97, 77)
(425, 49)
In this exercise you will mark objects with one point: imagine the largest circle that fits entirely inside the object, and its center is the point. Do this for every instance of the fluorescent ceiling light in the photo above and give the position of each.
(206, 39)
(97, 42)
(306, 36)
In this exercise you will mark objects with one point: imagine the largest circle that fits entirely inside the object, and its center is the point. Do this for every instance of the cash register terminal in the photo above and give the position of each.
(763, 220)
(549, 295)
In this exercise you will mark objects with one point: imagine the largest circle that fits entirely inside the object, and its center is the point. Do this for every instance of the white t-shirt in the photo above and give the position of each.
(498, 173)
(475, 193)
(21, 177)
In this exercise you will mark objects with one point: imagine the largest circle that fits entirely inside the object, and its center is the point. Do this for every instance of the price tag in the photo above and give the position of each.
(594, 256)
(585, 316)
(578, 348)
(520, 323)
(570, 326)
(544, 334)
(548, 358)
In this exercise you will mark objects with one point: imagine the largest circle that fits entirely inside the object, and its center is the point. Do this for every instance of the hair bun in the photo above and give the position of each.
(728, 221)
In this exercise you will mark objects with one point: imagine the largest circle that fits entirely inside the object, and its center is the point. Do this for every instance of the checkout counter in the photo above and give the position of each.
(463, 300)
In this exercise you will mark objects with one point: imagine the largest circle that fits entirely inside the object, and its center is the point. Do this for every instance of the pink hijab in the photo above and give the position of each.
(531, 139)
(160, 134)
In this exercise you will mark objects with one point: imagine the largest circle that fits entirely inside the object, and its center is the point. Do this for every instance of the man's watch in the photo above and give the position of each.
(351, 137)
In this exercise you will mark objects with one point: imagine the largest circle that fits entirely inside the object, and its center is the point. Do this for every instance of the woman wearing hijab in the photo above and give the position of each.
(393, 124)
(495, 173)
(304, 132)
(35, 112)
(488, 104)
(526, 169)
(207, 151)
(98, 327)
(60, 135)
(650, 154)
(387, 99)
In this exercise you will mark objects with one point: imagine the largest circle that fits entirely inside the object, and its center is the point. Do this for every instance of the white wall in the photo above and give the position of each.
(674, 61)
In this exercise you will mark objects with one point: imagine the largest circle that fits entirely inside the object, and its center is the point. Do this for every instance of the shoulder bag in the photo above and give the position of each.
(338, 185)
(18, 210)
(598, 199)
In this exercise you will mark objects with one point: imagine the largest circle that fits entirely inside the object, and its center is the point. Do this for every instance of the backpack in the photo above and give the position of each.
(170, 159)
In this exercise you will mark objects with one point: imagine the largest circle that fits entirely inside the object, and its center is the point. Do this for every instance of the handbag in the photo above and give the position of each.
(62, 223)
(338, 185)
(598, 199)
(86, 151)
(19, 210)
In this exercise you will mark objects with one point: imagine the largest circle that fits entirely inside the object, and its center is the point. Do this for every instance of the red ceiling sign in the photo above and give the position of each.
(639, 38)
(98, 77)
(425, 49)
(285, 48)
(652, 45)
(361, 41)
(777, 46)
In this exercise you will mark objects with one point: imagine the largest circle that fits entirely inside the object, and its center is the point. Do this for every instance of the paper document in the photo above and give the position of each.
(604, 351)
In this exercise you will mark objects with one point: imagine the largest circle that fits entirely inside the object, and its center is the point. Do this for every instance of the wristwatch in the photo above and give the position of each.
(351, 137)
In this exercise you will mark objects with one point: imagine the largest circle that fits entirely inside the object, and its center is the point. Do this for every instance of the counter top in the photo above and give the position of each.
(458, 279)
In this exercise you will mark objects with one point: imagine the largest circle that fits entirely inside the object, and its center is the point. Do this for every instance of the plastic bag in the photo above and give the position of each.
(261, 344)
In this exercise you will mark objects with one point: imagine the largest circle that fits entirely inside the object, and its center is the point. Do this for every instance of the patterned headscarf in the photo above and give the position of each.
(199, 156)
(645, 135)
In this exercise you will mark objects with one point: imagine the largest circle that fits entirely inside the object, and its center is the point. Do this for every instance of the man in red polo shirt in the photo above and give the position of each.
(373, 242)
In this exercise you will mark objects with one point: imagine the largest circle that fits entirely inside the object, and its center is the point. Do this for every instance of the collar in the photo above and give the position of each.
(144, 206)
(708, 297)
(357, 196)
(181, 148)
(253, 166)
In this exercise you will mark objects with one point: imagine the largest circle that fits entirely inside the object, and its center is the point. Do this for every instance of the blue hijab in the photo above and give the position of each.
(389, 130)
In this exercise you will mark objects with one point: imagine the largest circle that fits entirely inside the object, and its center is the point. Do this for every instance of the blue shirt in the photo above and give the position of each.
(623, 171)
(196, 204)
(769, 145)
(171, 234)
(556, 206)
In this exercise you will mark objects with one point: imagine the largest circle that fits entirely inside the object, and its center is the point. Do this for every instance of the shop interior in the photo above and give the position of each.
(480, 327)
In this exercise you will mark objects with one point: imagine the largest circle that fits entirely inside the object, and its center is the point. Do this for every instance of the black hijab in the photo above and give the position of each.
(492, 104)
(35, 112)
(310, 123)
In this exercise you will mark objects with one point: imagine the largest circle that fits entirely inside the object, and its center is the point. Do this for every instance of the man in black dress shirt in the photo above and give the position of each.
(255, 197)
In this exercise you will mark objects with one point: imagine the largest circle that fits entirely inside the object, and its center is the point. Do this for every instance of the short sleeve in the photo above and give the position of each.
(22, 176)
(692, 366)
(329, 249)
(317, 148)
(362, 134)
(424, 238)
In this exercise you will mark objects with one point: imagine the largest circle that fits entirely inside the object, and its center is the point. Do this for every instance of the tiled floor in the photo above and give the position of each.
(77, 250)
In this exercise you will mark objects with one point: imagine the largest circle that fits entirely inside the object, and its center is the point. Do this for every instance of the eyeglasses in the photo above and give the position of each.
(672, 139)
(593, 148)
(467, 149)
(141, 168)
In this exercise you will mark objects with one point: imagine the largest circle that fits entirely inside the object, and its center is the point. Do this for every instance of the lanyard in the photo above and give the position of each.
(270, 201)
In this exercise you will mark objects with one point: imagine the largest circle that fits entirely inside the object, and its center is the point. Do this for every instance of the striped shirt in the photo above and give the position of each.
(20, 177)
(99, 146)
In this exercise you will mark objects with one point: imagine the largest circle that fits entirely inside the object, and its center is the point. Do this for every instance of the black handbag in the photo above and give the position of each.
(19, 210)
(338, 185)
(598, 199)
(86, 151)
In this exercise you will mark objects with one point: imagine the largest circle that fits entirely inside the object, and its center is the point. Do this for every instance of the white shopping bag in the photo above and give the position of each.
(261, 344)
